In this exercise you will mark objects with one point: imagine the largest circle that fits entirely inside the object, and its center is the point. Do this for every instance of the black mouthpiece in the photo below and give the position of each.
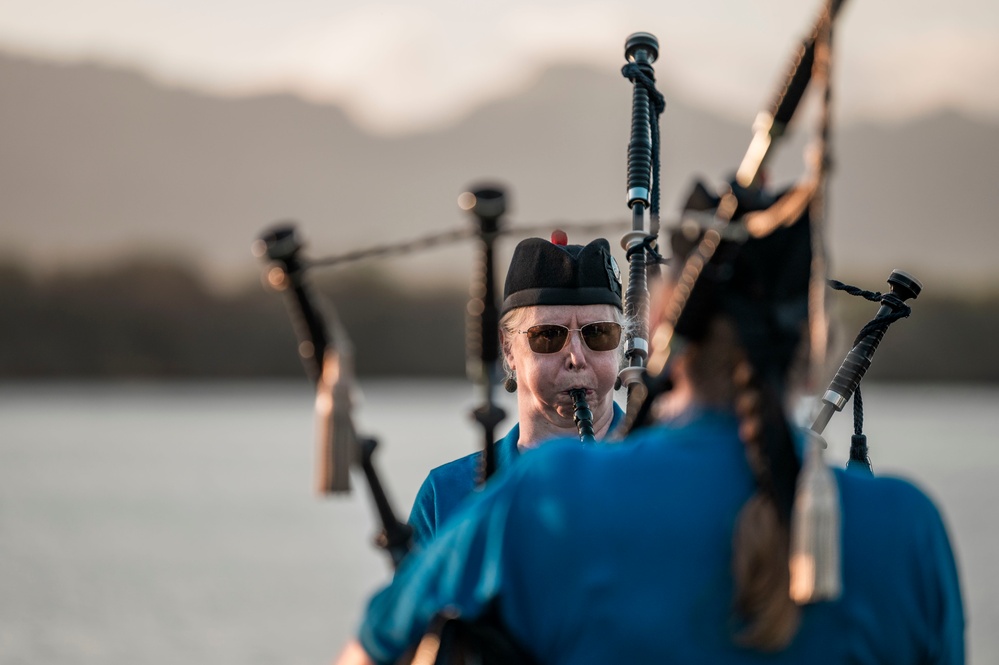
(641, 41)
(904, 285)
(489, 203)
(280, 242)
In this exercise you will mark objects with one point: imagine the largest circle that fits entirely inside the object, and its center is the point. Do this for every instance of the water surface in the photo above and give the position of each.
(166, 523)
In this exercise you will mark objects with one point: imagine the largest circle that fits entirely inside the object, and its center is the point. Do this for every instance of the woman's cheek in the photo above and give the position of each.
(607, 372)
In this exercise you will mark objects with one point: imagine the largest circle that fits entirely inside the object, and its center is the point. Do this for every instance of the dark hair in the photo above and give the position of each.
(721, 375)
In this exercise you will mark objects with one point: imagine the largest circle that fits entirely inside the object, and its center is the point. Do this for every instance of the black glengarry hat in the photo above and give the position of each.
(554, 273)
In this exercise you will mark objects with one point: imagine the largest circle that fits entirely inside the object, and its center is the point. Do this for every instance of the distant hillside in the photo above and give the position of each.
(151, 319)
(96, 162)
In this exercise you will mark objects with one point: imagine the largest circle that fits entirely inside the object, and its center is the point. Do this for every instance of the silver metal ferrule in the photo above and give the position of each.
(835, 399)
(638, 195)
(637, 344)
(632, 238)
(630, 375)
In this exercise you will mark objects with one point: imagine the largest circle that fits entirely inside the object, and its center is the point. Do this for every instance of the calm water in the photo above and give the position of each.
(175, 523)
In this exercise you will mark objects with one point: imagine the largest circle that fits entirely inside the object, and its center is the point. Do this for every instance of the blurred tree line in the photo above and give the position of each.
(160, 319)
(154, 318)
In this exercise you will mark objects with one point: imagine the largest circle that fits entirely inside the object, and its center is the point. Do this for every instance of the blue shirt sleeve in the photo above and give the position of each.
(459, 572)
(423, 517)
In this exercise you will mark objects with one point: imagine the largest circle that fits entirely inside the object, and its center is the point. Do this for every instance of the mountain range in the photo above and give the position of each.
(97, 164)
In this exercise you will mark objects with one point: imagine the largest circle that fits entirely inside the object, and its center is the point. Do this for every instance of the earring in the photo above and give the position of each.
(510, 383)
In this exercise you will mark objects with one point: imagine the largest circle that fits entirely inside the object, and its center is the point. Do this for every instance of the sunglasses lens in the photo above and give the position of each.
(551, 338)
(547, 338)
(602, 336)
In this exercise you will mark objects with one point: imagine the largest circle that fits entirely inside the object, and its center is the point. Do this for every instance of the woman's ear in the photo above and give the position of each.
(506, 340)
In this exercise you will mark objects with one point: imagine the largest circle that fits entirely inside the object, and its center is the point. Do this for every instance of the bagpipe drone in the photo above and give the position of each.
(744, 210)
(791, 223)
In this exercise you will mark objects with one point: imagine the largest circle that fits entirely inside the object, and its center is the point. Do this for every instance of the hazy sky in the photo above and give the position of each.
(399, 66)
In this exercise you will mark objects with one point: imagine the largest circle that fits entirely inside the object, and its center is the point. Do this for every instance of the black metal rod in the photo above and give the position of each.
(771, 124)
(487, 204)
(396, 537)
(799, 72)
(641, 50)
(282, 246)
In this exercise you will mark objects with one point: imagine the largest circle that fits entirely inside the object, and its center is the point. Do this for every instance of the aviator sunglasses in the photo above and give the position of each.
(551, 338)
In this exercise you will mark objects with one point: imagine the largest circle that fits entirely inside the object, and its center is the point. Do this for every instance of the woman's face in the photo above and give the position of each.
(545, 379)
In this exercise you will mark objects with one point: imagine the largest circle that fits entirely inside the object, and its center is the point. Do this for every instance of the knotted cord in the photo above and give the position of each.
(437, 239)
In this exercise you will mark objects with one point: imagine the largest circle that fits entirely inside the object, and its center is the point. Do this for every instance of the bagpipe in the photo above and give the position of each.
(744, 208)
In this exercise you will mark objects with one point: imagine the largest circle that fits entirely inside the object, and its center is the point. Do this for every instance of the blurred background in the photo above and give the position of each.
(154, 420)
(145, 145)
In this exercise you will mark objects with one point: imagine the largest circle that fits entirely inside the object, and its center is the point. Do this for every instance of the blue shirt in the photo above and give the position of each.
(622, 553)
(447, 485)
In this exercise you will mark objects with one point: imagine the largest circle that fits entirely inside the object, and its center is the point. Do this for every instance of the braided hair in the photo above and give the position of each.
(744, 323)
(721, 375)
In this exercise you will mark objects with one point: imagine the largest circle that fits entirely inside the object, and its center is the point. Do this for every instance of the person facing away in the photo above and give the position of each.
(560, 330)
(705, 538)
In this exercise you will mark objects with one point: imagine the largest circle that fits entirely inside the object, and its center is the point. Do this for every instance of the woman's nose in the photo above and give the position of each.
(575, 350)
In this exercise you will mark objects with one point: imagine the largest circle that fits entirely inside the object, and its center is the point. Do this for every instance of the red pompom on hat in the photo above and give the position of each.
(559, 238)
